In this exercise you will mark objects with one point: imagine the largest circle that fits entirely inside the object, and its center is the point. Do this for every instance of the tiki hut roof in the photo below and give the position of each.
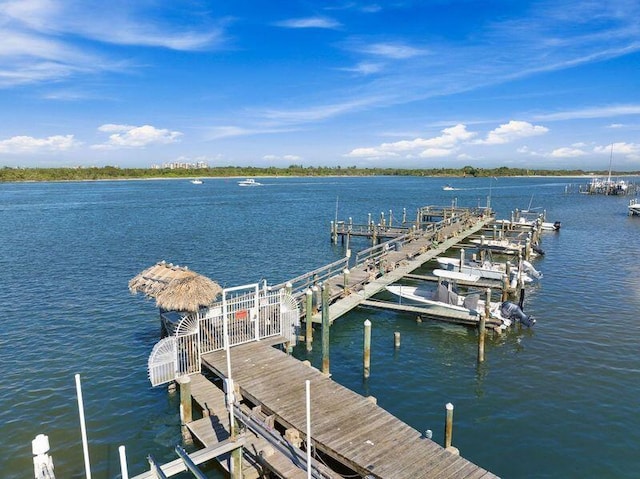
(175, 288)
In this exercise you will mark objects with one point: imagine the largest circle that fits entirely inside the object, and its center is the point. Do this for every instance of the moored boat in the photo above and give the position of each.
(445, 301)
(490, 270)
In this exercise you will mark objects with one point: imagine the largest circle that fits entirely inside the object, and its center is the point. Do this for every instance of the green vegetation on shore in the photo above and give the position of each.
(8, 174)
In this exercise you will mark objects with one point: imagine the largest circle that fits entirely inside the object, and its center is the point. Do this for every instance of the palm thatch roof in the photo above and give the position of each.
(175, 288)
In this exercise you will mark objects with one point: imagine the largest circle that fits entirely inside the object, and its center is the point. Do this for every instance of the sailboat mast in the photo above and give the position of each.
(610, 160)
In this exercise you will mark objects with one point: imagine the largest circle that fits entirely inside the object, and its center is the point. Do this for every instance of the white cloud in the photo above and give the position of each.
(127, 136)
(310, 22)
(567, 153)
(29, 144)
(514, 130)
(443, 145)
(629, 150)
(436, 152)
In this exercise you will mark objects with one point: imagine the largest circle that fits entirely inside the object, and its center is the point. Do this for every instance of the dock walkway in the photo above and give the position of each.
(345, 426)
(363, 283)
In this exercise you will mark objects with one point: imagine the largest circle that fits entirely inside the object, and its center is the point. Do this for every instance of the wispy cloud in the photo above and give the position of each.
(316, 113)
(592, 112)
(127, 136)
(309, 22)
(29, 144)
(395, 51)
(46, 40)
(230, 131)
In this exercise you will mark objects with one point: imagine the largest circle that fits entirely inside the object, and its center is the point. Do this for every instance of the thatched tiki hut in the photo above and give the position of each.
(175, 288)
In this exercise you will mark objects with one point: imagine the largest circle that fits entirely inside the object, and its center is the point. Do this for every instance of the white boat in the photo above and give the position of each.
(444, 300)
(634, 207)
(196, 181)
(448, 188)
(489, 270)
(501, 246)
(249, 182)
(523, 221)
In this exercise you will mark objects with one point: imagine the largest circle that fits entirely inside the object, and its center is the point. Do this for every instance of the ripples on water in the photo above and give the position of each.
(559, 400)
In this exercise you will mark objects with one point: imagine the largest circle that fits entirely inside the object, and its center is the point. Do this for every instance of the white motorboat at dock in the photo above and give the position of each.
(444, 302)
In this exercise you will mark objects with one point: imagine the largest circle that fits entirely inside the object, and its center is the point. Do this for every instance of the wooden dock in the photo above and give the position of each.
(386, 263)
(346, 428)
(351, 435)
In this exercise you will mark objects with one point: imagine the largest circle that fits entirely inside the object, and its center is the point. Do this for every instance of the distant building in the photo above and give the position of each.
(181, 165)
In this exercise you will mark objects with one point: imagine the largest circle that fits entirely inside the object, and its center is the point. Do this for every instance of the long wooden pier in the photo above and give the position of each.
(347, 429)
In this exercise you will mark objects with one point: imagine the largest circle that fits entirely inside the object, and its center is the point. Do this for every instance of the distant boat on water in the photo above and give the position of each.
(634, 207)
(448, 188)
(196, 181)
(249, 182)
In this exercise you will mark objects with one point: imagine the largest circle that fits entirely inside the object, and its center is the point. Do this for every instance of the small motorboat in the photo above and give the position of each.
(445, 302)
(196, 181)
(448, 188)
(249, 182)
(489, 269)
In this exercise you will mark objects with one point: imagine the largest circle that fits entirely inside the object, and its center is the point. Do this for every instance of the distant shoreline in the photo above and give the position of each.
(35, 175)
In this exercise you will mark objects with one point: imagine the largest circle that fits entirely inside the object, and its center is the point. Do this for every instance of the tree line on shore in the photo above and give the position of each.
(10, 174)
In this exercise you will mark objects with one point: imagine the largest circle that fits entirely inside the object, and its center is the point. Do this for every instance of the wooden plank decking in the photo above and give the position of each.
(346, 426)
(399, 264)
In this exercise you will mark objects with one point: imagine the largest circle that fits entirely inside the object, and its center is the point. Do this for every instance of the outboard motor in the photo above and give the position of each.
(556, 225)
(514, 312)
(537, 249)
(530, 270)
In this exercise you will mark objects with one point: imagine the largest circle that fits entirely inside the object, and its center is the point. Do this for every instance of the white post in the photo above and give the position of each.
(308, 397)
(83, 429)
(123, 463)
(42, 462)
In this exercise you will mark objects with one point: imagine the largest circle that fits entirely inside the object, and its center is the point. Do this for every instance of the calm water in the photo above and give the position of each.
(560, 400)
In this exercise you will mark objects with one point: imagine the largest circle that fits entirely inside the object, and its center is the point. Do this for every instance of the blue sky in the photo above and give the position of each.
(409, 84)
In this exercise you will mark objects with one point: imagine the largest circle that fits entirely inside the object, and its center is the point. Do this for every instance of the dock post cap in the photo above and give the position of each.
(367, 322)
(308, 292)
(449, 406)
(40, 445)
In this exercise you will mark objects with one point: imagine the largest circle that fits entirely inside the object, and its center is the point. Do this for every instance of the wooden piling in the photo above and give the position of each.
(481, 337)
(505, 287)
(185, 399)
(345, 275)
(367, 349)
(487, 303)
(396, 339)
(325, 329)
(448, 426)
(309, 319)
(186, 412)
(461, 259)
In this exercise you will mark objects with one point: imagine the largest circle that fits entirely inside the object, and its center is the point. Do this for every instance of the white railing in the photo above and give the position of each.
(245, 314)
